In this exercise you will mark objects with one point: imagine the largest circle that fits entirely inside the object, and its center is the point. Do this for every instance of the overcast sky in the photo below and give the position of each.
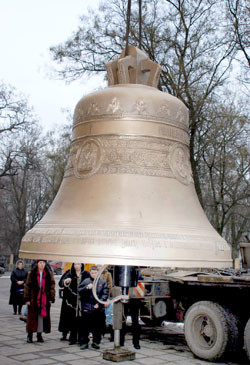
(27, 29)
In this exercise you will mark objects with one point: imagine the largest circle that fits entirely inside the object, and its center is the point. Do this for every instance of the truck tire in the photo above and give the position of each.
(206, 330)
(247, 338)
(235, 339)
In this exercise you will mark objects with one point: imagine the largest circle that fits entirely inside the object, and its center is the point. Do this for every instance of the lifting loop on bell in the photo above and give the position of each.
(108, 301)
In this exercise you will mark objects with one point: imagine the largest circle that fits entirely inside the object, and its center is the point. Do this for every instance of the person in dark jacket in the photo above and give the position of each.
(18, 278)
(92, 311)
(71, 305)
(39, 293)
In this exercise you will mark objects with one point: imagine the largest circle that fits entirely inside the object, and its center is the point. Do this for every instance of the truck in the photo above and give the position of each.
(213, 304)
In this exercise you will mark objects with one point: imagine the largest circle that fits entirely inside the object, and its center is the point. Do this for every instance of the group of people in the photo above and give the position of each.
(81, 314)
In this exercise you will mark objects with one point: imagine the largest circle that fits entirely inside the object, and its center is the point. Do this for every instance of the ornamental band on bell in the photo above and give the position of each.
(154, 142)
(129, 155)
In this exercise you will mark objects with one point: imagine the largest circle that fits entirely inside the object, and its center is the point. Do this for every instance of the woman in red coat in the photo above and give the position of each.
(39, 293)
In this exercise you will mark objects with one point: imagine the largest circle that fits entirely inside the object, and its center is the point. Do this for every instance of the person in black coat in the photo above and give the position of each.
(18, 278)
(132, 308)
(71, 306)
(92, 311)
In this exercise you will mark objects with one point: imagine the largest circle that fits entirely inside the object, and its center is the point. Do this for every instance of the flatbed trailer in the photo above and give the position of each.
(214, 306)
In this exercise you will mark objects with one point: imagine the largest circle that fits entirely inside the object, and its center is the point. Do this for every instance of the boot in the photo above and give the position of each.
(23, 318)
(72, 338)
(111, 339)
(14, 309)
(64, 336)
(137, 346)
(29, 337)
(39, 337)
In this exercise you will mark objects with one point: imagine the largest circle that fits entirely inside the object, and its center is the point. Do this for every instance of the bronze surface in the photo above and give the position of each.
(127, 197)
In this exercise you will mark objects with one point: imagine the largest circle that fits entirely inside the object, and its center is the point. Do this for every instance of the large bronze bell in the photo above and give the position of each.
(127, 197)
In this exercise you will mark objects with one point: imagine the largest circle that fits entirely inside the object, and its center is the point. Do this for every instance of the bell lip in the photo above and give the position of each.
(131, 261)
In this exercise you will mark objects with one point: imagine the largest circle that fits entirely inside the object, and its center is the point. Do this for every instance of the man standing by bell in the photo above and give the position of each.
(92, 311)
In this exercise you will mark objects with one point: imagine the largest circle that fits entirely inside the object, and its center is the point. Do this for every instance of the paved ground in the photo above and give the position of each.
(158, 346)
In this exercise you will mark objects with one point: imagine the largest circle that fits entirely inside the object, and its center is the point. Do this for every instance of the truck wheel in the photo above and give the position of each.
(247, 338)
(235, 340)
(206, 330)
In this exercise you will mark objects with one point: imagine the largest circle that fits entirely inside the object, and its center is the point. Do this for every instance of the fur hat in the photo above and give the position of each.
(18, 262)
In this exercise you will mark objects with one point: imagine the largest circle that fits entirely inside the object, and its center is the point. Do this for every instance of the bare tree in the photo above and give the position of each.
(185, 37)
(224, 169)
(28, 192)
(15, 115)
(239, 26)
(56, 157)
(190, 39)
(21, 186)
